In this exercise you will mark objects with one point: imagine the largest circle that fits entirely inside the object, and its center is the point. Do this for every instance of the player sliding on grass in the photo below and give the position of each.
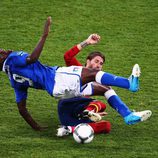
(74, 111)
(25, 71)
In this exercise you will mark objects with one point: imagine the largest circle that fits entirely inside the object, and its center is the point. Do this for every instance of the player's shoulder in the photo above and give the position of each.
(15, 54)
(19, 53)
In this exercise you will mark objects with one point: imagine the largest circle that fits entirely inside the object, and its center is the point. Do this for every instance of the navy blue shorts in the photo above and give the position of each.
(68, 110)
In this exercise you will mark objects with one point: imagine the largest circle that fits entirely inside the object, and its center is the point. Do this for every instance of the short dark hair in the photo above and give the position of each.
(94, 54)
(4, 54)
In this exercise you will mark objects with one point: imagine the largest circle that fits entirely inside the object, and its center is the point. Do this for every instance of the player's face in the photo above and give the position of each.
(95, 63)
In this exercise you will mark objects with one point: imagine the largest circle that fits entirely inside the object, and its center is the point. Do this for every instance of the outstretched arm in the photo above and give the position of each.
(27, 117)
(69, 56)
(37, 51)
(92, 39)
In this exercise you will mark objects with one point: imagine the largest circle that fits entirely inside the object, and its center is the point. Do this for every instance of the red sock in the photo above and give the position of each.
(72, 128)
(98, 127)
(96, 106)
(101, 127)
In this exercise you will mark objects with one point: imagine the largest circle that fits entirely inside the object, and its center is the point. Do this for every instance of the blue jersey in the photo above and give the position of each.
(23, 75)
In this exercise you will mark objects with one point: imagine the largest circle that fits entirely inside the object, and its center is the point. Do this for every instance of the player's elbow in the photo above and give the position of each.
(66, 57)
(31, 60)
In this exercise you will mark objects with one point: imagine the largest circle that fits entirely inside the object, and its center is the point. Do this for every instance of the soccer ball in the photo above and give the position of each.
(83, 133)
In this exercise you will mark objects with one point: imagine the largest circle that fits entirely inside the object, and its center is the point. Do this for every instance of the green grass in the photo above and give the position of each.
(129, 31)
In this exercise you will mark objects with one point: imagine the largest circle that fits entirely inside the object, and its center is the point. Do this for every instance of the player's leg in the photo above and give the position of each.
(101, 127)
(108, 79)
(116, 103)
(98, 127)
(68, 112)
(113, 99)
(129, 116)
(96, 106)
(95, 109)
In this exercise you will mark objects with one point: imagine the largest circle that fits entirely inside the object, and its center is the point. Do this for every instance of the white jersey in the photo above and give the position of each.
(68, 82)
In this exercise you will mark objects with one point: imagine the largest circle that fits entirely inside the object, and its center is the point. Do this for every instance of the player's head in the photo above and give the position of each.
(3, 55)
(95, 60)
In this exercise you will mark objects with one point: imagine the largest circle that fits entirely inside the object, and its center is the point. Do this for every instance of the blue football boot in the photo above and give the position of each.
(136, 117)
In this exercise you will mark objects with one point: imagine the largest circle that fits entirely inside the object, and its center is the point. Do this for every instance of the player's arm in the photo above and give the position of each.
(69, 56)
(37, 51)
(92, 39)
(27, 117)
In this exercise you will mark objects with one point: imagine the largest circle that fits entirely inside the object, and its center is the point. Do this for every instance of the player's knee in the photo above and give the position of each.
(102, 106)
(88, 75)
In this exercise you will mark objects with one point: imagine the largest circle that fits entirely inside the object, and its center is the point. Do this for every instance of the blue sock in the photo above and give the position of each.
(112, 80)
(116, 103)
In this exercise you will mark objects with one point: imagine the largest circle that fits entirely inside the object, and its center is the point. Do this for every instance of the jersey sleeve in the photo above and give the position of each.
(69, 57)
(19, 58)
(20, 94)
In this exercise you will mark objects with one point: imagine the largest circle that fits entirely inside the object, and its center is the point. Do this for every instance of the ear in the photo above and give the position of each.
(87, 62)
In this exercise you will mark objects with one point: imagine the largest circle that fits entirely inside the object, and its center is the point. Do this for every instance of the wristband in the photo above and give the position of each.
(84, 44)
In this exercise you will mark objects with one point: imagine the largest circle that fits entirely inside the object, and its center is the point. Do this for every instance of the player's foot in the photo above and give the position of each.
(91, 115)
(63, 131)
(134, 78)
(136, 117)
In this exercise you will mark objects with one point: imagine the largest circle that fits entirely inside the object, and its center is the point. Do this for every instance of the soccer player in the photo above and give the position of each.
(25, 71)
(72, 112)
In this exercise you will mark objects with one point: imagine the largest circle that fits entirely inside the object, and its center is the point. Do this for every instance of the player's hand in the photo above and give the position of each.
(93, 39)
(47, 26)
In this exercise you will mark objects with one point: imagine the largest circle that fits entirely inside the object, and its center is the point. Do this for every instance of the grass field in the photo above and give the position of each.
(129, 31)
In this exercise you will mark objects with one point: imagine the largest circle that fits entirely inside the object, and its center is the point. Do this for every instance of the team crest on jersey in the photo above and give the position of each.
(75, 69)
